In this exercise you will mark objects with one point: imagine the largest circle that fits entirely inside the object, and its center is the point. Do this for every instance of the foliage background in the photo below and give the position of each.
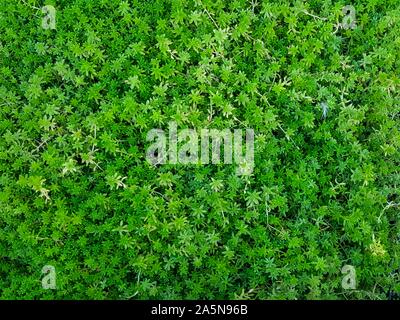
(76, 104)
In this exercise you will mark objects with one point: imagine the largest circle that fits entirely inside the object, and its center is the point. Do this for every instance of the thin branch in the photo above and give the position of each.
(389, 205)
(209, 15)
(31, 5)
(314, 16)
(287, 136)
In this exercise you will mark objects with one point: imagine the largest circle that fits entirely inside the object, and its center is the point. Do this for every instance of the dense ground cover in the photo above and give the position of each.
(77, 193)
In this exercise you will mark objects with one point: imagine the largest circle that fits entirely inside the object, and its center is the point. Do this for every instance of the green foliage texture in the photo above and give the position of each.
(76, 191)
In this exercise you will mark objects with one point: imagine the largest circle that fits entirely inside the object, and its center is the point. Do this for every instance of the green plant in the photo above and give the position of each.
(77, 193)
